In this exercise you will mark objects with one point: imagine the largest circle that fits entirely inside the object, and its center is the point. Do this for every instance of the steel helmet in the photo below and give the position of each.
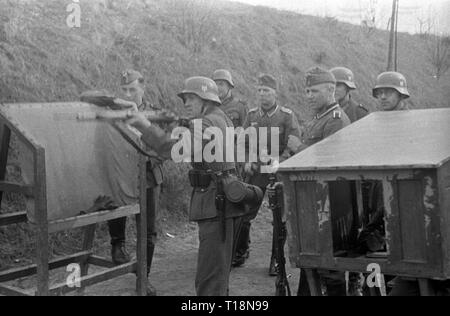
(225, 75)
(203, 87)
(394, 80)
(345, 76)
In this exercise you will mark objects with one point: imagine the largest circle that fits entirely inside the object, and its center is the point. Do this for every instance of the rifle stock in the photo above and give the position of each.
(275, 193)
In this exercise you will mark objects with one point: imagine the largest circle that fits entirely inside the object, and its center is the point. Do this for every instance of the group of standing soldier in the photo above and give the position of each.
(225, 238)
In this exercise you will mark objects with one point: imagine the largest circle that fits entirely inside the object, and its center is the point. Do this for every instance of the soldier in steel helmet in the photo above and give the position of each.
(216, 232)
(391, 90)
(235, 108)
(345, 84)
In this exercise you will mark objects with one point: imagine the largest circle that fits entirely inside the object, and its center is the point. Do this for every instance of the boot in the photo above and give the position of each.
(119, 254)
(242, 252)
(239, 260)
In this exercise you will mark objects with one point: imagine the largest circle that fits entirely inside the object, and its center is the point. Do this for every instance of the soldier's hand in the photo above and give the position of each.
(248, 168)
(138, 121)
(294, 144)
(104, 203)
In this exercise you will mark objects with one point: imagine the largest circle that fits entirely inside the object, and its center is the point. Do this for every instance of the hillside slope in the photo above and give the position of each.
(42, 59)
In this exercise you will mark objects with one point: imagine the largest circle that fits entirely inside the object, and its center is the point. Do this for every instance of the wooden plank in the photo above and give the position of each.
(13, 218)
(18, 131)
(64, 288)
(307, 208)
(141, 224)
(26, 190)
(88, 244)
(444, 203)
(5, 137)
(290, 203)
(21, 272)
(360, 264)
(382, 140)
(7, 290)
(89, 219)
(42, 246)
(392, 220)
(100, 262)
(412, 220)
(336, 175)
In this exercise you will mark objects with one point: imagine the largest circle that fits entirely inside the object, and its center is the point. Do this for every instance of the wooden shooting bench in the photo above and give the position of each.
(408, 152)
(63, 171)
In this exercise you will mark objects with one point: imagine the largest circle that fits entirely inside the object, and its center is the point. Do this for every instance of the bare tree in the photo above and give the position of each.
(439, 55)
(193, 22)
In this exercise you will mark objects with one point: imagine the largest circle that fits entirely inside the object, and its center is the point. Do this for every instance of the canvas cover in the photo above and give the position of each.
(83, 159)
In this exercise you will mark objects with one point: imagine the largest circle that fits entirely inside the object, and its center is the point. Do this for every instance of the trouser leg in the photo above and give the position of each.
(117, 230)
(153, 195)
(214, 258)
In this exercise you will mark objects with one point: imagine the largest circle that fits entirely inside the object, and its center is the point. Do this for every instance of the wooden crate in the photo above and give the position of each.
(409, 152)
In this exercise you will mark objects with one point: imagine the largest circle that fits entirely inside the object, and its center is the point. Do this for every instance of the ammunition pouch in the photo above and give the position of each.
(200, 179)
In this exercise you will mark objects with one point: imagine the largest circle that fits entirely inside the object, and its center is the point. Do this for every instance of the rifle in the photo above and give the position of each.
(275, 194)
(220, 206)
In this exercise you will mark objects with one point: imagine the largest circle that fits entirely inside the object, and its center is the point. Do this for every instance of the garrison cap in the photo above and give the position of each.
(130, 76)
(266, 80)
(317, 75)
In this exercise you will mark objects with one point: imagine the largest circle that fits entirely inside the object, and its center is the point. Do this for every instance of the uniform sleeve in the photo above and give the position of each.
(362, 112)
(332, 126)
(160, 141)
(163, 142)
(292, 129)
(246, 123)
(243, 113)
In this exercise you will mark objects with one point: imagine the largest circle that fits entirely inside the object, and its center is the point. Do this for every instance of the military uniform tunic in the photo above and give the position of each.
(324, 125)
(354, 110)
(235, 109)
(215, 254)
(279, 117)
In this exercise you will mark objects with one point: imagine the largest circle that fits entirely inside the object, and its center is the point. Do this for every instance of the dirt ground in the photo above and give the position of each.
(173, 271)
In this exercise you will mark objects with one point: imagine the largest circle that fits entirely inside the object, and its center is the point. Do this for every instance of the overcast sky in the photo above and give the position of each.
(411, 11)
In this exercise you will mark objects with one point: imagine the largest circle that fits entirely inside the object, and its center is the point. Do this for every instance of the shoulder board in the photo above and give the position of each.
(363, 107)
(253, 110)
(337, 114)
(286, 110)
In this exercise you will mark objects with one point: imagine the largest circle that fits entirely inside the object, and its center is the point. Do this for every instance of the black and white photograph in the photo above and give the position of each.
(224, 152)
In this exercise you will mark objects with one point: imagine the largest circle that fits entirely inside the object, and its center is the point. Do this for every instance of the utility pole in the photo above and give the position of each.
(392, 54)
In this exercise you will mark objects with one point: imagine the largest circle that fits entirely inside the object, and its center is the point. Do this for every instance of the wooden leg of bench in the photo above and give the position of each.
(426, 288)
(88, 244)
(314, 282)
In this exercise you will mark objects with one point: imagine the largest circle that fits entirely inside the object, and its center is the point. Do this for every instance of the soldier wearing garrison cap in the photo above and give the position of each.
(345, 84)
(328, 119)
(132, 88)
(268, 114)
